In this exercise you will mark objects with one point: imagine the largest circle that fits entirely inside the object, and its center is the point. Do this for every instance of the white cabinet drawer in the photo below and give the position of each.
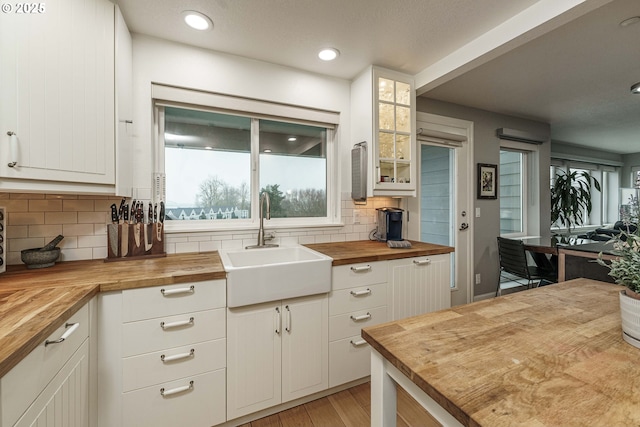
(366, 273)
(172, 331)
(350, 324)
(21, 385)
(171, 364)
(354, 299)
(202, 404)
(349, 360)
(157, 301)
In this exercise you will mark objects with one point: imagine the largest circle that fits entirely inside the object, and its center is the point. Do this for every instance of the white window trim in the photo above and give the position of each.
(530, 187)
(164, 96)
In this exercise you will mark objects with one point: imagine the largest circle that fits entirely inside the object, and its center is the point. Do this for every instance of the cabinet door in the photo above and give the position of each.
(305, 346)
(253, 358)
(419, 285)
(64, 402)
(57, 73)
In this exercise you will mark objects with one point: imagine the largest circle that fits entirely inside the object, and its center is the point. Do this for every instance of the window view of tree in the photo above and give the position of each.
(208, 162)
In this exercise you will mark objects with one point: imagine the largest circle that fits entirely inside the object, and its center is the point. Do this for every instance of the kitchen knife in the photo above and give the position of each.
(120, 210)
(125, 217)
(161, 219)
(124, 233)
(150, 214)
(112, 231)
(133, 212)
(114, 214)
(155, 213)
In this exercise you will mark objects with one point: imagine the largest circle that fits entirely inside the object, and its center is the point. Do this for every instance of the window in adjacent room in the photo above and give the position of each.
(512, 192)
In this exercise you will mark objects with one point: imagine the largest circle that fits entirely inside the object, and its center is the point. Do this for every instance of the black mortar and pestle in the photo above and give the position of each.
(45, 256)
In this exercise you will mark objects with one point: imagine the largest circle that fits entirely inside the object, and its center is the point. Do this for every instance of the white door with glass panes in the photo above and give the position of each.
(445, 196)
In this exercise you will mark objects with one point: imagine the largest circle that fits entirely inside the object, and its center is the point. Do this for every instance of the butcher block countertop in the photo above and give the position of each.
(369, 251)
(34, 303)
(551, 356)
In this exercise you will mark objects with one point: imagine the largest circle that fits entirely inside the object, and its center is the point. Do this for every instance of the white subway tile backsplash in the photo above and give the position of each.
(34, 219)
(61, 217)
(44, 230)
(78, 205)
(45, 205)
(78, 230)
(24, 218)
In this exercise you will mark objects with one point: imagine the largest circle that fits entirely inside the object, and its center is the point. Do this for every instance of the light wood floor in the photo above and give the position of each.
(349, 408)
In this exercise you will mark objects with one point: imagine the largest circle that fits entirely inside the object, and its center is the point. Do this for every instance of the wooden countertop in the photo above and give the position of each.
(34, 303)
(369, 251)
(552, 356)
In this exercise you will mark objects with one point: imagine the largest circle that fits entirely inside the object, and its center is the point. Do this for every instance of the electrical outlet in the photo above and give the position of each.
(356, 216)
(478, 279)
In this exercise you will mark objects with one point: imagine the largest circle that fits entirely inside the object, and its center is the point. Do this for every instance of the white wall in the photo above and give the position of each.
(160, 61)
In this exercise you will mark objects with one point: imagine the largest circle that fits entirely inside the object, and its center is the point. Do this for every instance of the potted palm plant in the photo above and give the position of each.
(625, 269)
(571, 198)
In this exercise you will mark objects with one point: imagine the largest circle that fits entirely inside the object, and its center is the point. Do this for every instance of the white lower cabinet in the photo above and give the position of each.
(50, 386)
(276, 352)
(163, 355)
(419, 285)
(358, 299)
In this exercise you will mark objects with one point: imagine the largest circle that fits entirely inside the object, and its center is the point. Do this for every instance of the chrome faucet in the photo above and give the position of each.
(264, 197)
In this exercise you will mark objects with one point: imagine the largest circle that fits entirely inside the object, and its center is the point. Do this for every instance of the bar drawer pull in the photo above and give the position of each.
(358, 343)
(361, 268)
(177, 324)
(167, 393)
(169, 292)
(361, 317)
(71, 328)
(421, 261)
(361, 293)
(165, 359)
(13, 149)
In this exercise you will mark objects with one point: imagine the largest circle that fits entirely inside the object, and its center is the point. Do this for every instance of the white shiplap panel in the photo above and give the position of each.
(419, 289)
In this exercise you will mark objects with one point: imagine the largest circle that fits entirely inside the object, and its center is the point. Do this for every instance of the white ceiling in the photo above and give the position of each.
(572, 77)
(577, 78)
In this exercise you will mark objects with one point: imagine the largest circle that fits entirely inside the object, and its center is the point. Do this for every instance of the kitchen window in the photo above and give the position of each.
(217, 162)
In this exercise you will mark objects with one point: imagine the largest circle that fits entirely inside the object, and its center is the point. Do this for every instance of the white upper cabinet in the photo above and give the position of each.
(57, 73)
(383, 113)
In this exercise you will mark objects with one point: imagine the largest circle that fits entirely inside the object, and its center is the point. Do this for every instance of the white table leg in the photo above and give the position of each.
(383, 393)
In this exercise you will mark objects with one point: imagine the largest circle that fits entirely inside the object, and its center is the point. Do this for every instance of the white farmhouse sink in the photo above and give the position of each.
(271, 274)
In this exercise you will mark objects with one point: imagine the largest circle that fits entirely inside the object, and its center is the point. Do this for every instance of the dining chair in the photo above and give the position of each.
(514, 266)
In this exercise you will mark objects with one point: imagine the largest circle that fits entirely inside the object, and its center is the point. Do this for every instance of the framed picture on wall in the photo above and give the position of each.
(487, 181)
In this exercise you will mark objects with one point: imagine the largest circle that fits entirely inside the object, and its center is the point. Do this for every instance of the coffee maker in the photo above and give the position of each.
(389, 224)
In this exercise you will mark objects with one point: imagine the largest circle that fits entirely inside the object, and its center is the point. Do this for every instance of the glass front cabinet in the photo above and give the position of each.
(384, 115)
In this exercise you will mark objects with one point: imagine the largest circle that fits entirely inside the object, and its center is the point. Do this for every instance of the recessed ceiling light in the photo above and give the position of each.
(292, 139)
(208, 148)
(328, 54)
(267, 150)
(197, 20)
(630, 21)
(635, 88)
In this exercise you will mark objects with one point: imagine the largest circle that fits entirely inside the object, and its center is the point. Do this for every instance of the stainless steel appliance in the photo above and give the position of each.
(389, 224)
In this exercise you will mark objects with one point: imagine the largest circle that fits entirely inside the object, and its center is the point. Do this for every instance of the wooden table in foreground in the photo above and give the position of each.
(550, 356)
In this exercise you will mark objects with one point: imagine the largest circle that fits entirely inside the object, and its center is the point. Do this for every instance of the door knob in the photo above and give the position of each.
(464, 226)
